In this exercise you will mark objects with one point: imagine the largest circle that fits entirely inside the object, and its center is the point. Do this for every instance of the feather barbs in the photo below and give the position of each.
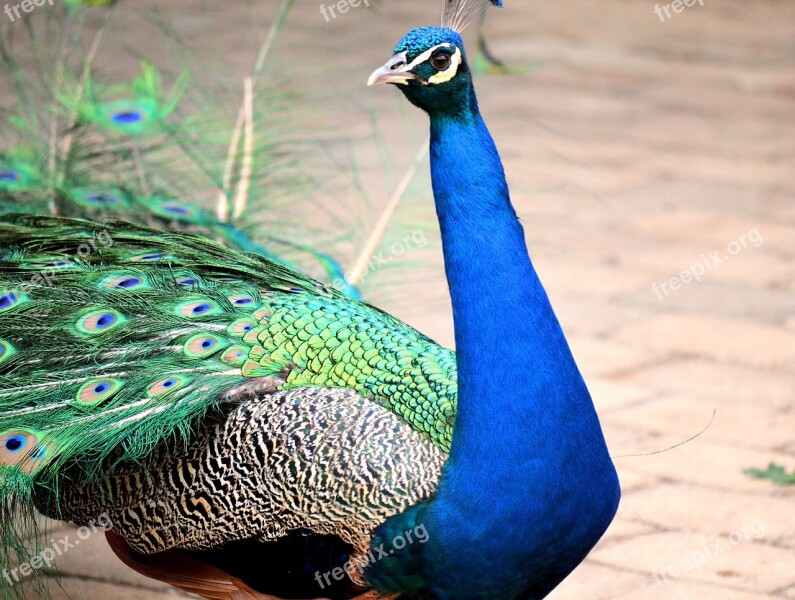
(458, 14)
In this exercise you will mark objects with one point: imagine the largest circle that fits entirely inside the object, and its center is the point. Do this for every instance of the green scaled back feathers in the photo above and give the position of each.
(114, 338)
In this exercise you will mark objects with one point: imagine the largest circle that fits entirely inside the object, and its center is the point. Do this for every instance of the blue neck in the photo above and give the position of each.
(528, 453)
(507, 335)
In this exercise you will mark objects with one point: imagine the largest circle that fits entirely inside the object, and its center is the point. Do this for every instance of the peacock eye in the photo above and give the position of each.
(441, 61)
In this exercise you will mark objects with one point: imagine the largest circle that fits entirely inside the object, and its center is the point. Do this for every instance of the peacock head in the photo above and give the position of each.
(430, 68)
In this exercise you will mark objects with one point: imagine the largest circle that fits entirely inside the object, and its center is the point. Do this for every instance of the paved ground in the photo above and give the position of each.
(653, 164)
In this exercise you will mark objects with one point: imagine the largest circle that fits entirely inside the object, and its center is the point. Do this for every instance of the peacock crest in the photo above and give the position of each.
(457, 15)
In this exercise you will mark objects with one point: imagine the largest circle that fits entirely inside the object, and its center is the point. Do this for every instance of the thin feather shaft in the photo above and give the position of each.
(222, 206)
(245, 120)
(241, 200)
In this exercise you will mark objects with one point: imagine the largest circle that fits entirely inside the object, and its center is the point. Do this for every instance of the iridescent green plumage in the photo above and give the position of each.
(116, 338)
(137, 298)
(133, 307)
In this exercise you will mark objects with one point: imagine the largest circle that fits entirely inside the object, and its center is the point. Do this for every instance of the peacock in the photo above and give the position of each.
(220, 402)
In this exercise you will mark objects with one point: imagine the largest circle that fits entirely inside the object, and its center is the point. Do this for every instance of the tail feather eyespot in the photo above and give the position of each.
(241, 327)
(11, 299)
(198, 308)
(167, 385)
(23, 449)
(99, 321)
(203, 345)
(243, 300)
(6, 351)
(99, 390)
(124, 282)
(235, 356)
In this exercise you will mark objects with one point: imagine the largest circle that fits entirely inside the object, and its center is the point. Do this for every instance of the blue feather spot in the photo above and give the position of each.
(57, 263)
(248, 328)
(151, 257)
(169, 383)
(15, 443)
(8, 176)
(129, 282)
(106, 320)
(101, 388)
(6, 351)
(187, 282)
(241, 301)
(127, 117)
(8, 300)
(102, 198)
(200, 309)
(177, 210)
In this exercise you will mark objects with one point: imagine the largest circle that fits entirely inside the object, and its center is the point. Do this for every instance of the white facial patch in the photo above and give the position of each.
(450, 72)
(443, 76)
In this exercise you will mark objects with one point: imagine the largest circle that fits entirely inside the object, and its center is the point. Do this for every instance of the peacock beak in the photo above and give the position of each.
(396, 70)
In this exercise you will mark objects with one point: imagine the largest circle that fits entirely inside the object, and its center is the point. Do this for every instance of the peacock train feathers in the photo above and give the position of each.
(157, 327)
(114, 338)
